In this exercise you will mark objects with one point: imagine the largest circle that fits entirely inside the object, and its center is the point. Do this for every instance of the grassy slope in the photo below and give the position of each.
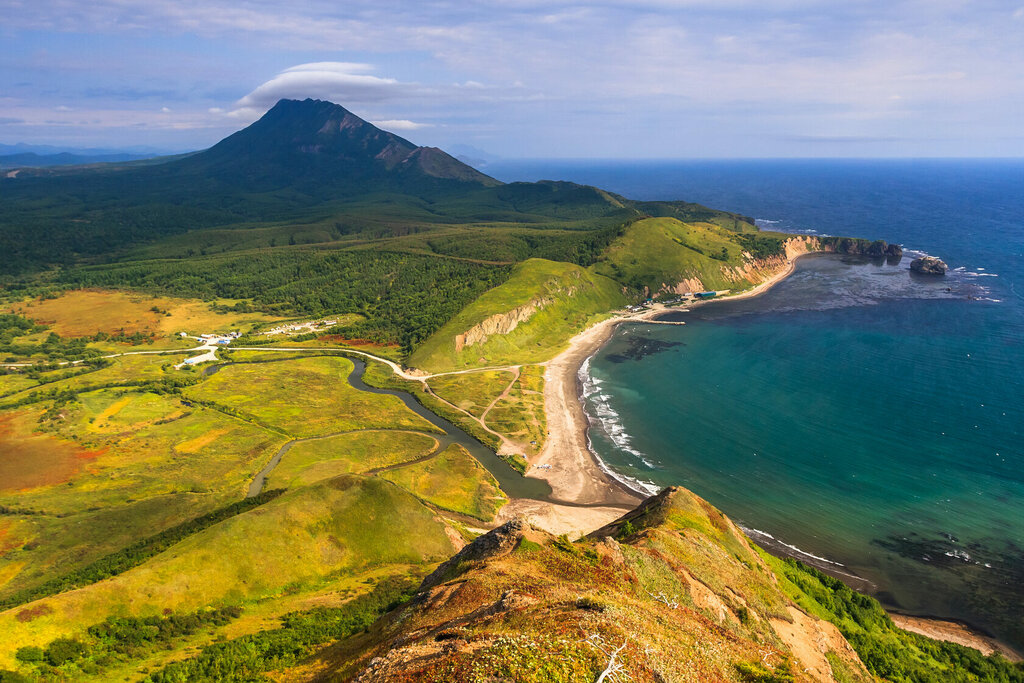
(453, 480)
(308, 462)
(553, 611)
(344, 524)
(663, 251)
(887, 651)
(578, 298)
(150, 462)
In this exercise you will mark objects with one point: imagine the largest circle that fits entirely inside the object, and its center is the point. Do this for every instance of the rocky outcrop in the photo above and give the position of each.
(928, 265)
(499, 323)
(860, 247)
(495, 543)
(670, 589)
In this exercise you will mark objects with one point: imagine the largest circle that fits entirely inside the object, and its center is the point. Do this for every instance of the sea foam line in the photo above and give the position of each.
(611, 425)
(751, 531)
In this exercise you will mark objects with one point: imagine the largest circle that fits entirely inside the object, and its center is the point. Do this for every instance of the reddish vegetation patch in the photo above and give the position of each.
(338, 339)
(30, 460)
(33, 612)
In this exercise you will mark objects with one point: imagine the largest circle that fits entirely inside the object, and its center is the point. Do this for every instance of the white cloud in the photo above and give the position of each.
(401, 124)
(341, 82)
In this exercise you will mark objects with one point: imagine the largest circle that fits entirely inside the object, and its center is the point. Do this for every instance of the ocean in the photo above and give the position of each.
(862, 418)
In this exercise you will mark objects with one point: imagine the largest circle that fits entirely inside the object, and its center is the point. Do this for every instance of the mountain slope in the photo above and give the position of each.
(671, 592)
(298, 142)
(298, 158)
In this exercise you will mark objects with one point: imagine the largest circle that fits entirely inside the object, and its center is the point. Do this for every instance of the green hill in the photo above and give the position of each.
(527, 319)
(659, 254)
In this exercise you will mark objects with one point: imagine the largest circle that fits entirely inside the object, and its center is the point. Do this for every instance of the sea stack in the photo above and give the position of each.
(928, 265)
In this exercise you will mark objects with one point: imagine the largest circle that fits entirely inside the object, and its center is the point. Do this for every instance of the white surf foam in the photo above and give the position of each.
(604, 417)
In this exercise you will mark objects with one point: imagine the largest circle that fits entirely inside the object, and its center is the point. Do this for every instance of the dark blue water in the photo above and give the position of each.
(869, 417)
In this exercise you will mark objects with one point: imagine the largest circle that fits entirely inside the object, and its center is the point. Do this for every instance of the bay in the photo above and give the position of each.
(864, 418)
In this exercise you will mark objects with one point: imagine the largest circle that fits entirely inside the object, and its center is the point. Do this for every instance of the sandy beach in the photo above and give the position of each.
(566, 462)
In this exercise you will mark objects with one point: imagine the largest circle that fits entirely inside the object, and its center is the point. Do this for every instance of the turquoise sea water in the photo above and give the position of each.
(867, 419)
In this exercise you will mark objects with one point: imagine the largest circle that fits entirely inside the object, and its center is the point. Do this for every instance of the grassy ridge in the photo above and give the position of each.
(660, 252)
(566, 297)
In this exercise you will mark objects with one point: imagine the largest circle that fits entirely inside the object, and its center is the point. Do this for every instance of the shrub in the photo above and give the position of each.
(29, 653)
(64, 650)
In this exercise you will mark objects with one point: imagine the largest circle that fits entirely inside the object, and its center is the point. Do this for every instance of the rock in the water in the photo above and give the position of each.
(928, 265)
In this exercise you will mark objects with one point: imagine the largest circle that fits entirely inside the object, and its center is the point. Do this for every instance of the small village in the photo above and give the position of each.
(676, 301)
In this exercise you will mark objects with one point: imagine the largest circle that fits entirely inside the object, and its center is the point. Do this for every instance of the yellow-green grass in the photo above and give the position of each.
(389, 351)
(565, 299)
(714, 550)
(259, 616)
(40, 547)
(80, 313)
(118, 465)
(84, 312)
(124, 369)
(662, 252)
(519, 416)
(308, 462)
(150, 445)
(453, 480)
(472, 391)
(14, 382)
(339, 526)
(305, 397)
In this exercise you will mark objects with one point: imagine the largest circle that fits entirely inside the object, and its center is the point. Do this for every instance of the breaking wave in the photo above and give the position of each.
(602, 416)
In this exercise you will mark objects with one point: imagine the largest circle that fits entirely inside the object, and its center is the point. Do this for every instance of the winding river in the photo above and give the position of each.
(510, 481)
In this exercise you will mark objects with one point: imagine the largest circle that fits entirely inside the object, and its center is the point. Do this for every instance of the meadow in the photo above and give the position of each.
(473, 392)
(454, 481)
(519, 416)
(308, 462)
(116, 316)
(123, 463)
(303, 397)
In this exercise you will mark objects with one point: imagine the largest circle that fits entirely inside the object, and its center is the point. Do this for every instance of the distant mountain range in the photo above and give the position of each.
(34, 160)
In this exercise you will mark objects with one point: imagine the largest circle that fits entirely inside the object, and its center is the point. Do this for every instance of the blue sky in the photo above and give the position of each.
(525, 78)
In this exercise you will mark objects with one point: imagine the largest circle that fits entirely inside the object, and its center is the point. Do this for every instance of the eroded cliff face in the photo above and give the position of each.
(500, 323)
(754, 271)
(673, 591)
